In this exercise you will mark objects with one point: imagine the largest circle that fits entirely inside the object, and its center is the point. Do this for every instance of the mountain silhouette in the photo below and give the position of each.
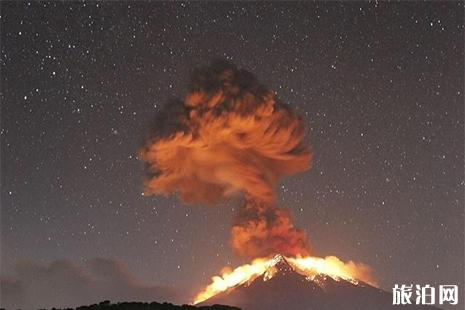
(107, 305)
(287, 289)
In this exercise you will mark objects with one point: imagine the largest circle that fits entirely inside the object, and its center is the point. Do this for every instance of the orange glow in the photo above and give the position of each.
(233, 136)
(333, 267)
(308, 266)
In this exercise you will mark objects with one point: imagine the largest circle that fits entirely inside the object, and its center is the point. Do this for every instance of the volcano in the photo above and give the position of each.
(282, 286)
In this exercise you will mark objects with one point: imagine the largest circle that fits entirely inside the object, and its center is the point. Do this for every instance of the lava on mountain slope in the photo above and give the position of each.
(321, 284)
(311, 268)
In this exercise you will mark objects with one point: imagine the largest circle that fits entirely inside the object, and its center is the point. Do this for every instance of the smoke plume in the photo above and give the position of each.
(232, 136)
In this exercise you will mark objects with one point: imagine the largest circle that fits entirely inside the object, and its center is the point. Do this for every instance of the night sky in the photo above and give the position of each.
(379, 85)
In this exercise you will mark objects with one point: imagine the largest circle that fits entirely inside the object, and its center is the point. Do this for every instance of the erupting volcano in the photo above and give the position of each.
(311, 268)
(299, 283)
(232, 136)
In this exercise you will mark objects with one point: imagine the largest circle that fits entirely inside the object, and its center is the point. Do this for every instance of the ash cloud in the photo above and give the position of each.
(231, 135)
(65, 284)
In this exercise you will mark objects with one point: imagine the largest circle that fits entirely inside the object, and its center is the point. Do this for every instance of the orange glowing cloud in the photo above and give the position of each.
(232, 136)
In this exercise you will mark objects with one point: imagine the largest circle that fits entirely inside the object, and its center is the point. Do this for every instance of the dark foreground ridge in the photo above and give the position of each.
(107, 305)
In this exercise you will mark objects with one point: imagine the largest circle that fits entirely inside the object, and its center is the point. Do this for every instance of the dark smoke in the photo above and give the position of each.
(231, 135)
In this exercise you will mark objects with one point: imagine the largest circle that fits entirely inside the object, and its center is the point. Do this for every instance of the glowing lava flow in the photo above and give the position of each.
(308, 266)
(333, 267)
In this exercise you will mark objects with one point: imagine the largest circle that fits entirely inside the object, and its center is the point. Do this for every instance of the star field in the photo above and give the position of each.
(379, 85)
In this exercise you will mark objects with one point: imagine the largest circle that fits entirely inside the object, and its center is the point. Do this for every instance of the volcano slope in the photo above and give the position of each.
(287, 289)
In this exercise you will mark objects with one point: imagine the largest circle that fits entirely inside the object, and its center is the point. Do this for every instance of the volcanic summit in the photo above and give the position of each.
(283, 286)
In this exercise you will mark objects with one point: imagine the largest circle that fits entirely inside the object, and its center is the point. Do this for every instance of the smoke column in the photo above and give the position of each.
(232, 136)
